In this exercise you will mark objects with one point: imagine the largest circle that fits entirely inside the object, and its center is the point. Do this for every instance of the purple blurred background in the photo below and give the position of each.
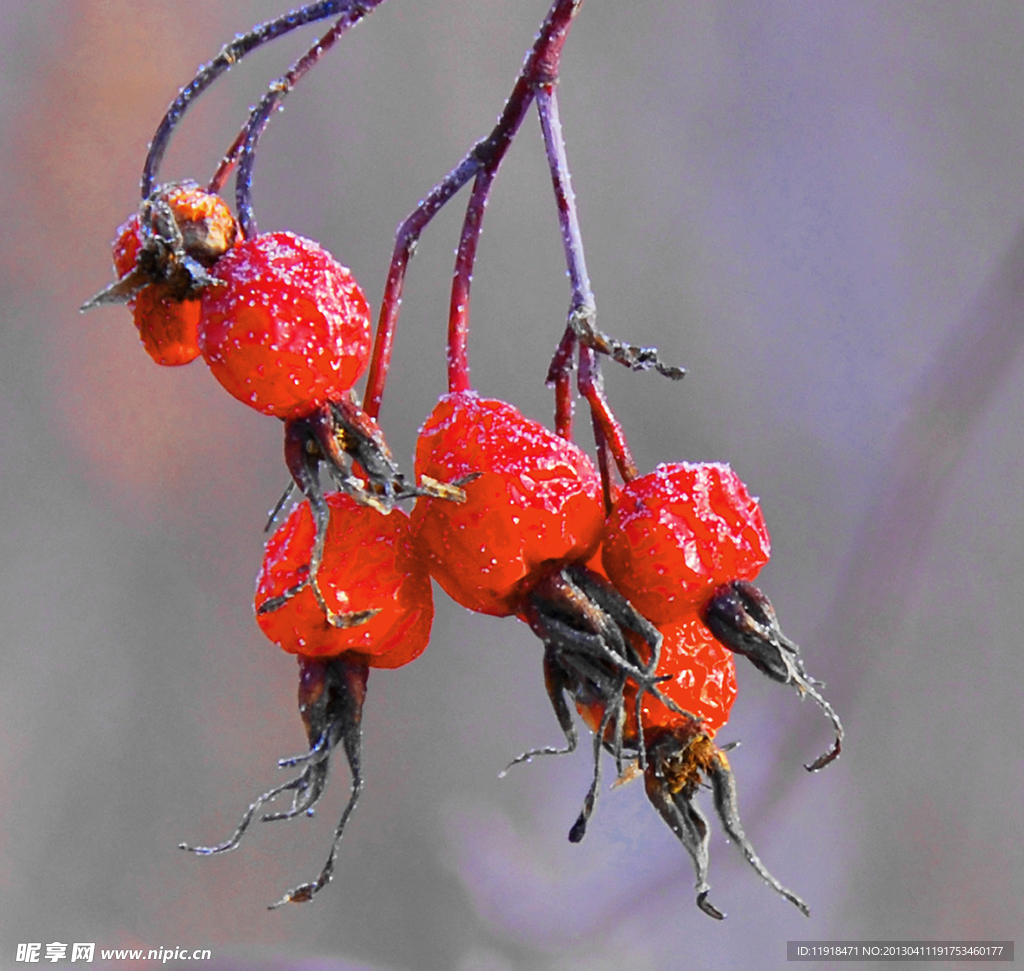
(816, 207)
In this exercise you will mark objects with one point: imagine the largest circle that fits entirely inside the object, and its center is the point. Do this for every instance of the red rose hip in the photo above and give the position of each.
(369, 564)
(702, 678)
(290, 327)
(536, 499)
(164, 296)
(680, 531)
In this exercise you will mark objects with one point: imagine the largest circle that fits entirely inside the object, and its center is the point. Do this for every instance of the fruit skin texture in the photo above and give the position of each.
(537, 499)
(680, 531)
(369, 563)
(166, 326)
(289, 329)
(702, 680)
(166, 312)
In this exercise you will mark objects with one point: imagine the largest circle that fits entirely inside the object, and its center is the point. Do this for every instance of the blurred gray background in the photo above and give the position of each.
(815, 206)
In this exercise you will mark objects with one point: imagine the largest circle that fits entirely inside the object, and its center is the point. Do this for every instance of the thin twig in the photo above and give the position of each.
(229, 55)
(244, 147)
(540, 67)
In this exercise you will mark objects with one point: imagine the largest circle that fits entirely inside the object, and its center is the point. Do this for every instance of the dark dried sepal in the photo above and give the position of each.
(682, 817)
(342, 437)
(723, 786)
(557, 684)
(173, 256)
(742, 618)
(118, 292)
(678, 762)
(331, 697)
(354, 618)
(595, 645)
(629, 355)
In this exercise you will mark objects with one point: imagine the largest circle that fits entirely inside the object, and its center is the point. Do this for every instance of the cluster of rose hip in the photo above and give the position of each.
(639, 586)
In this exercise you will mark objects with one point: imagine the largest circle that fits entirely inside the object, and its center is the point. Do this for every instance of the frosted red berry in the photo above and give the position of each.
(369, 563)
(537, 499)
(127, 244)
(165, 303)
(290, 327)
(167, 327)
(680, 531)
(701, 679)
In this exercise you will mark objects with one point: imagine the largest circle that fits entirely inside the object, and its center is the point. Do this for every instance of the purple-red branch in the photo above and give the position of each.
(540, 68)
(253, 128)
(559, 377)
(609, 436)
(465, 258)
(565, 200)
(230, 55)
(244, 147)
(405, 244)
(591, 385)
